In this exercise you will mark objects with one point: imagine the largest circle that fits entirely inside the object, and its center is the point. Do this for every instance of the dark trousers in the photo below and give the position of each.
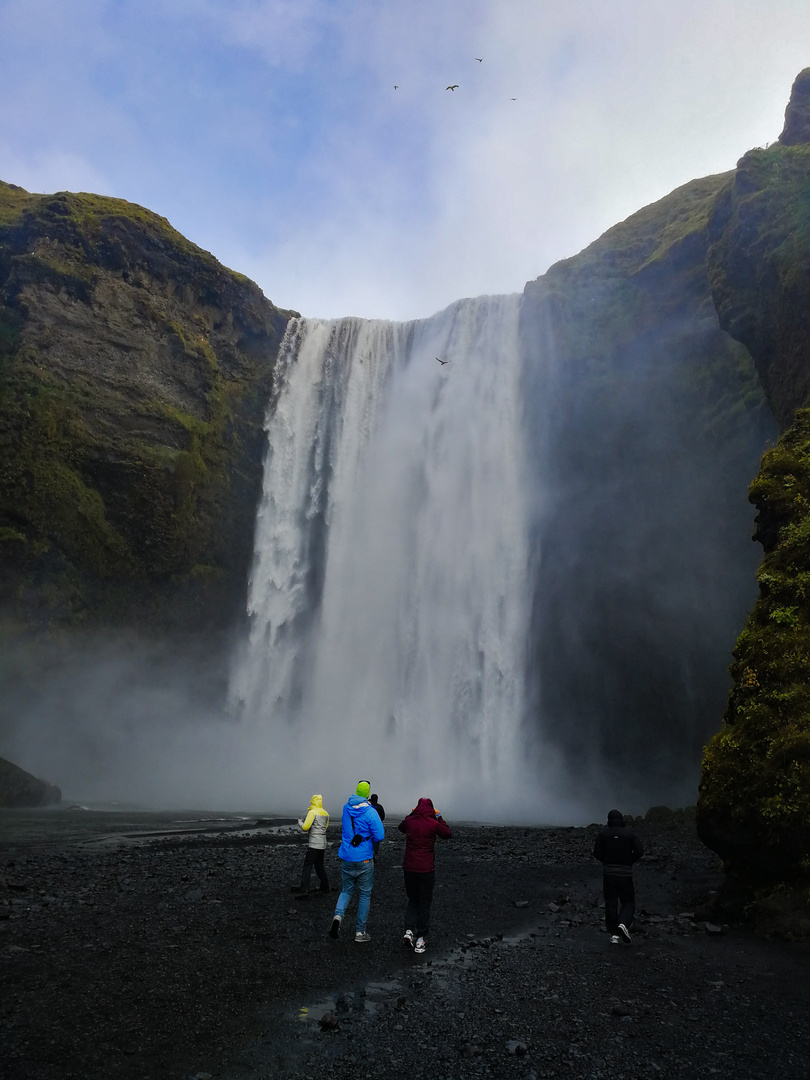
(419, 890)
(618, 890)
(314, 858)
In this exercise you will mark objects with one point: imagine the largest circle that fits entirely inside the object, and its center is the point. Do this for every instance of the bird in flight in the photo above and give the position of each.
(453, 87)
(480, 59)
(396, 87)
(442, 362)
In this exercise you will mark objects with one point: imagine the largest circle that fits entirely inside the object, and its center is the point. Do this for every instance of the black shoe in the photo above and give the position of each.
(334, 930)
(297, 889)
(302, 895)
(624, 932)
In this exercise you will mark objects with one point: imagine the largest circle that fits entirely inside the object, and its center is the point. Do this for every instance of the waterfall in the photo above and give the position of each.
(389, 602)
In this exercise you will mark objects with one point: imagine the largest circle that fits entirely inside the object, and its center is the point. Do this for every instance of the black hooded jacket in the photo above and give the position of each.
(617, 847)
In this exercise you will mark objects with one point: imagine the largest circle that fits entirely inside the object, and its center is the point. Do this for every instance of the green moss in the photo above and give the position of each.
(195, 345)
(13, 201)
(756, 770)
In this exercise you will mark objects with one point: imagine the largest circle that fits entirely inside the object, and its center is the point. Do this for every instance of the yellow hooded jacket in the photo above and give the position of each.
(316, 822)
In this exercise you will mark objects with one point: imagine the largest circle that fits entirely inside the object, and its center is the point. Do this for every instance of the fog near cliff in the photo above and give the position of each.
(644, 568)
(119, 718)
(119, 721)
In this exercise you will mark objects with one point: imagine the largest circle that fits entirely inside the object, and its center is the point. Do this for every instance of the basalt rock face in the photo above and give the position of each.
(796, 131)
(135, 371)
(19, 788)
(643, 526)
(754, 808)
(759, 266)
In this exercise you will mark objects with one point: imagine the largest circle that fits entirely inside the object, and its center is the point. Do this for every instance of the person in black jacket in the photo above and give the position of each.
(378, 806)
(617, 848)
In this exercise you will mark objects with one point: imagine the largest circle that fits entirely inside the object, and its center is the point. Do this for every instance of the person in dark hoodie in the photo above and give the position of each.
(378, 806)
(617, 848)
(361, 826)
(421, 827)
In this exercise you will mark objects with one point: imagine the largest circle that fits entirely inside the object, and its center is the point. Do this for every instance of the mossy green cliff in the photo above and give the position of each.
(754, 807)
(135, 371)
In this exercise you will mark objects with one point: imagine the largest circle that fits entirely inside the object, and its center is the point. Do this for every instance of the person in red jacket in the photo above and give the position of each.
(421, 827)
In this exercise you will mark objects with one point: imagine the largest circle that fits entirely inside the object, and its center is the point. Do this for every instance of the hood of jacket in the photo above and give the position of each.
(425, 807)
(316, 801)
(615, 817)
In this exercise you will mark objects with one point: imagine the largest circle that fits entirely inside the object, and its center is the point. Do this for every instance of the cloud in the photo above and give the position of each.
(54, 170)
(269, 131)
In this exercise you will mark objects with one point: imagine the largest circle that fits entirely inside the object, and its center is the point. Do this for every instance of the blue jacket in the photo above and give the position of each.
(367, 824)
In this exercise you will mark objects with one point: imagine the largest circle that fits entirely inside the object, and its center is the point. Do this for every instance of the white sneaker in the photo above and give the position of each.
(624, 932)
(407, 940)
(361, 935)
(615, 939)
(420, 945)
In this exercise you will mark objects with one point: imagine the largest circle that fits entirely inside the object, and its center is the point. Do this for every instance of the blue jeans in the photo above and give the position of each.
(356, 875)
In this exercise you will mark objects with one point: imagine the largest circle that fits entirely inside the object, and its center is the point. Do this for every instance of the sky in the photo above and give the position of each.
(314, 146)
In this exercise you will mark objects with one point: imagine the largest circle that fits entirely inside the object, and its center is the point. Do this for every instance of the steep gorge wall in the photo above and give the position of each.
(754, 808)
(135, 371)
(642, 528)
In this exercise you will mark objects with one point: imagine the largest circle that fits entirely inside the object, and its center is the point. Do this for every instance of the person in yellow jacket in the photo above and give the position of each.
(315, 823)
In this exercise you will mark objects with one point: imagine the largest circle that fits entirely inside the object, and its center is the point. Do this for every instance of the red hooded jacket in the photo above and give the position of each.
(421, 827)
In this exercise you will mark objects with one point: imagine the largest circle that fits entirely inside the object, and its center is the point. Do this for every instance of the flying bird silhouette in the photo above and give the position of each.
(396, 87)
(480, 59)
(442, 362)
(453, 87)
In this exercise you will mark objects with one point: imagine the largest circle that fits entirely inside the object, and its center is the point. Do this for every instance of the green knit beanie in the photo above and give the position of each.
(363, 789)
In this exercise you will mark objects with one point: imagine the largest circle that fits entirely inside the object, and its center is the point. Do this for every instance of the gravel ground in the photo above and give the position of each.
(142, 946)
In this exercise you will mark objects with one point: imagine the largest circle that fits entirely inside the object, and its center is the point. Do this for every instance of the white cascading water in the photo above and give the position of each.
(389, 599)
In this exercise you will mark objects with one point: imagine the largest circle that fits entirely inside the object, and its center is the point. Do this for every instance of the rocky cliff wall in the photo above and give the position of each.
(643, 529)
(135, 371)
(754, 808)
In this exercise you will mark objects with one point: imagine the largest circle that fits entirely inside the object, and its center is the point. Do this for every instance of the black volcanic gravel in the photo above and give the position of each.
(184, 955)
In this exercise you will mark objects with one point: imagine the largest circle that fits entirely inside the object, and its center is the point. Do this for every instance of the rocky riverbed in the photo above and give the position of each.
(140, 946)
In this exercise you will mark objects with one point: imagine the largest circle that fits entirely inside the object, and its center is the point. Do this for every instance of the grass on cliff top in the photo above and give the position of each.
(13, 201)
(775, 183)
(647, 235)
(88, 211)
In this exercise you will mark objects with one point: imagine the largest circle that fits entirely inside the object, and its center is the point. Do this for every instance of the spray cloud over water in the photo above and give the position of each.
(388, 601)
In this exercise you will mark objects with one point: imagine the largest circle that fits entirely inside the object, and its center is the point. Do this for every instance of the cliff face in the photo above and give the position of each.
(759, 266)
(134, 375)
(643, 532)
(754, 808)
(19, 788)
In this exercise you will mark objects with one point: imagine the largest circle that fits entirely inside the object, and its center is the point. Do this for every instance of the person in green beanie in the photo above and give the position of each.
(361, 826)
